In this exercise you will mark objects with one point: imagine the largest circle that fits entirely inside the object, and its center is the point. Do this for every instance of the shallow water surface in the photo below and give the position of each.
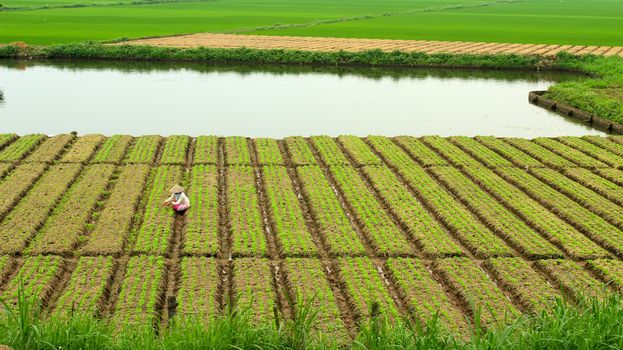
(140, 98)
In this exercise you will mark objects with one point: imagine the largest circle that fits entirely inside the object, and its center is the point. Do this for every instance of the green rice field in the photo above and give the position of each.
(579, 22)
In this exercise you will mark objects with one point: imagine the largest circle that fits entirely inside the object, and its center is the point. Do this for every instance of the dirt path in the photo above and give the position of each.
(336, 44)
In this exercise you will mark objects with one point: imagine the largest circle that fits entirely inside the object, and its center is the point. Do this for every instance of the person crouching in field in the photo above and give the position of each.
(178, 200)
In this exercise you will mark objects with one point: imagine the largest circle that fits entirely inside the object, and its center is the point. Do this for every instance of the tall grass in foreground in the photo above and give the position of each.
(593, 324)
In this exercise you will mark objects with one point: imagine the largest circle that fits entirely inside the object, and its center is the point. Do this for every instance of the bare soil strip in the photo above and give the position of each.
(216, 40)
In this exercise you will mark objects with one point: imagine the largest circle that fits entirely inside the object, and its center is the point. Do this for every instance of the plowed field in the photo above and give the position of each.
(336, 44)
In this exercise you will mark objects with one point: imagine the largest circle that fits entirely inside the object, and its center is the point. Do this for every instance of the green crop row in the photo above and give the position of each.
(479, 151)
(613, 175)
(419, 151)
(199, 288)
(82, 150)
(253, 285)
(15, 185)
(6, 139)
(477, 291)
(328, 213)
(385, 236)
(284, 208)
(475, 236)
(611, 271)
(157, 226)
(268, 152)
(113, 225)
(425, 297)
(572, 278)
(516, 276)
(605, 143)
(542, 154)
(50, 149)
(245, 218)
(206, 150)
(363, 283)
(429, 235)
(568, 152)
(140, 293)
(592, 150)
(23, 221)
(299, 151)
(357, 149)
(5, 265)
(536, 215)
(589, 223)
(21, 147)
(86, 287)
(143, 150)
(237, 151)
(113, 149)
(588, 198)
(495, 216)
(451, 152)
(516, 156)
(35, 277)
(306, 279)
(202, 222)
(599, 184)
(66, 224)
(329, 150)
(175, 150)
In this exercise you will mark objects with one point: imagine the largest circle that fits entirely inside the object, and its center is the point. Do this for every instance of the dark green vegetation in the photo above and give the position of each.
(600, 94)
(581, 22)
(387, 241)
(593, 324)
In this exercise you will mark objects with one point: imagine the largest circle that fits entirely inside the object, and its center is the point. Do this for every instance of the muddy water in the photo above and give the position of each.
(273, 101)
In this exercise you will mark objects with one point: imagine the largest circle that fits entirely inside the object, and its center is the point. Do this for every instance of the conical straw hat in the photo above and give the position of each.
(177, 189)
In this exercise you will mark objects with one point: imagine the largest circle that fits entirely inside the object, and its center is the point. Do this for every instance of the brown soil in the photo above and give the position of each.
(216, 40)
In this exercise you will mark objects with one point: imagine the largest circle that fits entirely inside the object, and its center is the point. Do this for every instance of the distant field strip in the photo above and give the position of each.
(215, 40)
(476, 229)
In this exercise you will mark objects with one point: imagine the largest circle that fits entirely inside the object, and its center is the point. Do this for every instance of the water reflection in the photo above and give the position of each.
(273, 100)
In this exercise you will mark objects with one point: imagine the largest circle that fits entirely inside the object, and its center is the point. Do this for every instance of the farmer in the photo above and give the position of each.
(178, 200)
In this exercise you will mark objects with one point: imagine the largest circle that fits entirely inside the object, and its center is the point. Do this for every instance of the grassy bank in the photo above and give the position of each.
(591, 324)
(601, 94)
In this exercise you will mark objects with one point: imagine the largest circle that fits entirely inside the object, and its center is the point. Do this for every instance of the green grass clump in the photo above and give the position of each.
(592, 324)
